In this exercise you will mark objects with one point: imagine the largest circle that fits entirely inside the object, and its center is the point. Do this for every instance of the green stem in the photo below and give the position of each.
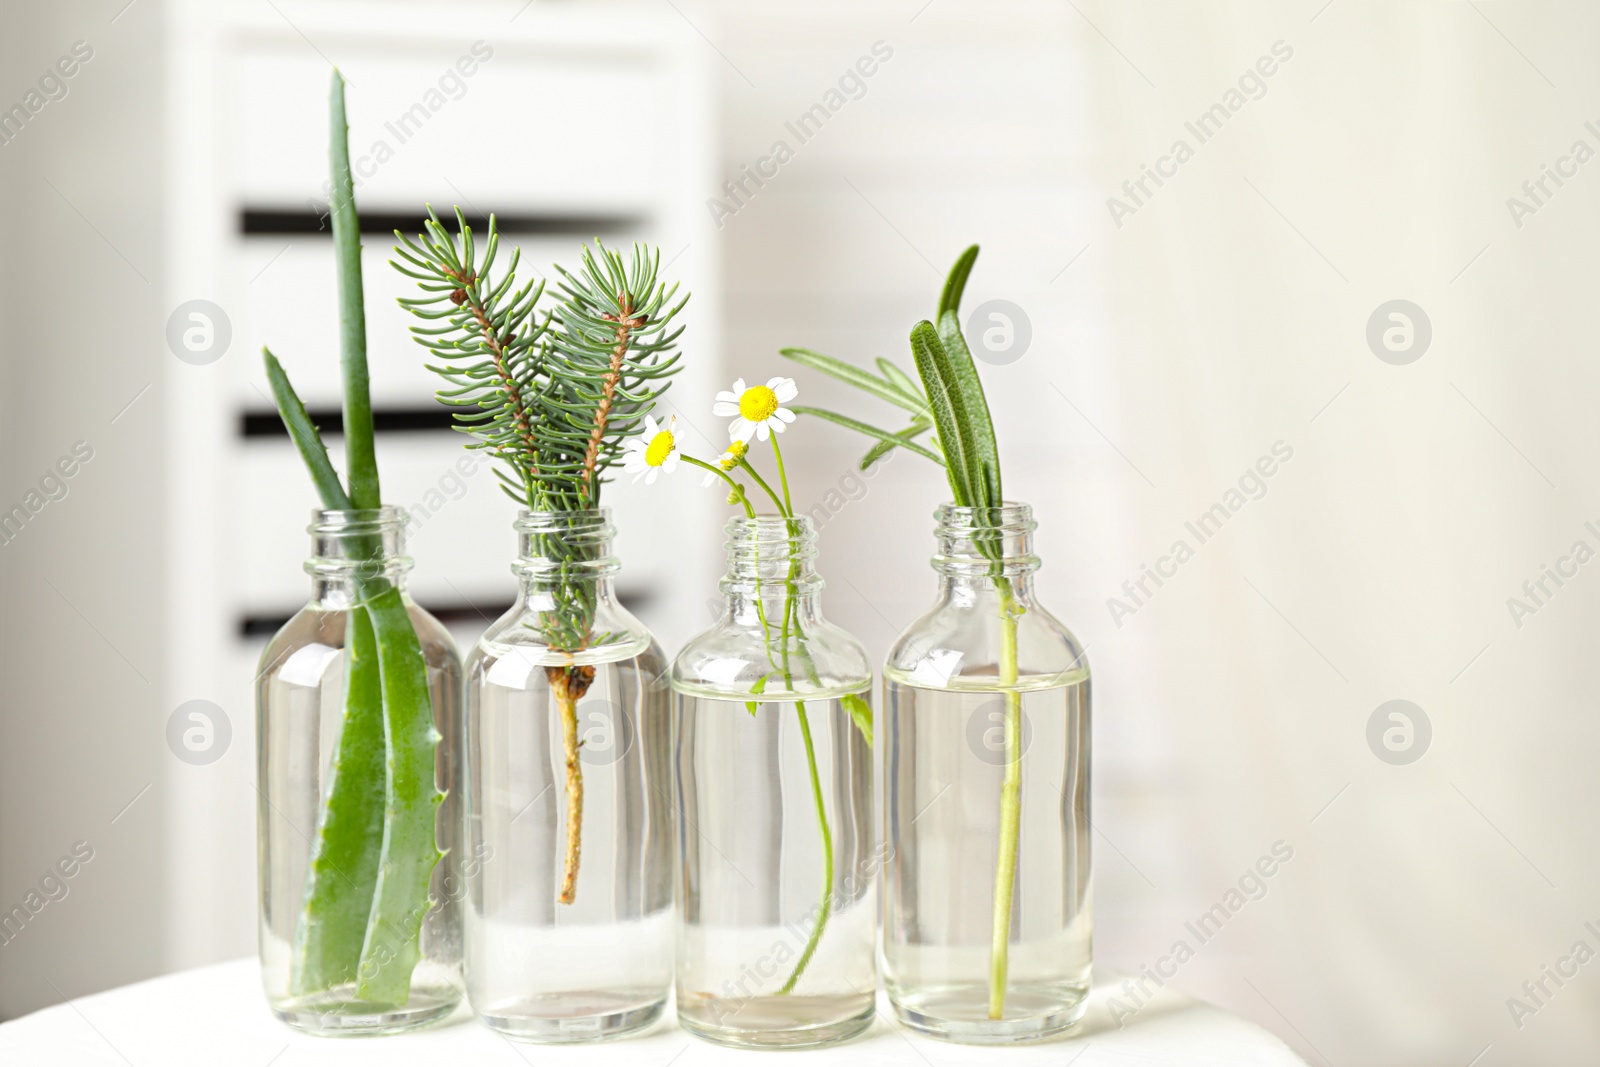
(1005, 876)
(827, 854)
(762, 482)
(783, 479)
(825, 907)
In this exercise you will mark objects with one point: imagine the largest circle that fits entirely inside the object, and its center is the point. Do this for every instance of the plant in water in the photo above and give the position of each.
(759, 414)
(951, 401)
(554, 398)
(374, 850)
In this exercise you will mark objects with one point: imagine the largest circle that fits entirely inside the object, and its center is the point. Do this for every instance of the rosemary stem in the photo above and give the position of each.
(1005, 876)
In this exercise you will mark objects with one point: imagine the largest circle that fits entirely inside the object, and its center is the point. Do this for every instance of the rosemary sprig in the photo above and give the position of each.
(952, 401)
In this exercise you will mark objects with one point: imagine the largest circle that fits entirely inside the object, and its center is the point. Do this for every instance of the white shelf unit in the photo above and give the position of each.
(575, 121)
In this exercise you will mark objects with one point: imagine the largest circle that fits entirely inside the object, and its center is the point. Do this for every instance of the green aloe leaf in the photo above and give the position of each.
(360, 456)
(305, 436)
(349, 836)
(410, 850)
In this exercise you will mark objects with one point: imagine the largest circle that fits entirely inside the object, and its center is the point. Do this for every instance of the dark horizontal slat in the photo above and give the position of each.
(263, 626)
(330, 421)
(306, 221)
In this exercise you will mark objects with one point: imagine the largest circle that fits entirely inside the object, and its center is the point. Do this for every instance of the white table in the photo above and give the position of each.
(216, 1017)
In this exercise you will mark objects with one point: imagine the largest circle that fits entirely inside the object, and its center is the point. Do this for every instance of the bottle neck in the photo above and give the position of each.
(985, 554)
(565, 553)
(356, 554)
(772, 571)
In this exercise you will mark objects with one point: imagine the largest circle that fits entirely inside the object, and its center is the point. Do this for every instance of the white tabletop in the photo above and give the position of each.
(216, 1015)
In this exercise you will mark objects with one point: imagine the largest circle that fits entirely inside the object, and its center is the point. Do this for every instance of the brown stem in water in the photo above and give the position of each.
(568, 684)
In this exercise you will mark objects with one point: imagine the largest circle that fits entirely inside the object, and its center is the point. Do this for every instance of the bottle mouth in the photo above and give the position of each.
(775, 530)
(1010, 518)
(357, 522)
(565, 545)
(769, 554)
(977, 542)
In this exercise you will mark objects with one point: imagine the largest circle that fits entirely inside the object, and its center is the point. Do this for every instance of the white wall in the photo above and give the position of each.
(81, 599)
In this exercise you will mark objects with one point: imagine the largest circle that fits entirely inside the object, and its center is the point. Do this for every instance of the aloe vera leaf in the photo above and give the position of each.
(871, 431)
(972, 413)
(853, 375)
(349, 834)
(928, 351)
(410, 847)
(860, 713)
(360, 456)
(305, 436)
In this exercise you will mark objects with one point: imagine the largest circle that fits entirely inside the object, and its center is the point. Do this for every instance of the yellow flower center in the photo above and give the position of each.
(758, 403)
(735, 450)
(660, 447)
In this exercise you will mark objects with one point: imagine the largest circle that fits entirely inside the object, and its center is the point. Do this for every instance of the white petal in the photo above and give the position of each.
(724, 408)
(706, 482)
(650, 475)
(742, 429)
(783, 414)
(670, 464)
(725, 395)
(784, 388)
(738, 387)
(633, 461)
(651, 427)
(761, 431)
(777, 426)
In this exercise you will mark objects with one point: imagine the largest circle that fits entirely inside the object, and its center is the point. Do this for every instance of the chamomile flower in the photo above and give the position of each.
(758, 408)
(653, 451)
(726, 461)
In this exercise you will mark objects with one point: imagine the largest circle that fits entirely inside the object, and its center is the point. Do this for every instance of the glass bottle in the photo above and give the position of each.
(776, 859)
(568, 799)
(986, 899)
(357, 557)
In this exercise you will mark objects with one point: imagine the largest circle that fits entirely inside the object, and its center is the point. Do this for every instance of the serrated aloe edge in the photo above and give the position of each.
(951, 402)
(374, 848)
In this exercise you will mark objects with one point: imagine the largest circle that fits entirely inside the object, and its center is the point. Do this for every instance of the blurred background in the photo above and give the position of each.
(1304, 288)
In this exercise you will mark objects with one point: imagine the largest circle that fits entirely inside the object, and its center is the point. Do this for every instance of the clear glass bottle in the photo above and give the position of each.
(356, 556)
(987, 913)
(776, 860)
(567, 800)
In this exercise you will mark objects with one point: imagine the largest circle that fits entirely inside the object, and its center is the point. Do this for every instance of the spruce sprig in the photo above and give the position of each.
(554, 397)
